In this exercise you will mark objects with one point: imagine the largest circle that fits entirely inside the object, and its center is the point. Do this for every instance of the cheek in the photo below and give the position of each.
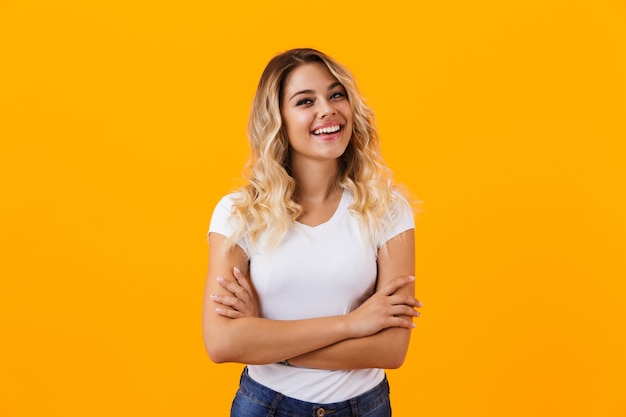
(298, 123)
(295, 127)
(346, 110)
(294, 120)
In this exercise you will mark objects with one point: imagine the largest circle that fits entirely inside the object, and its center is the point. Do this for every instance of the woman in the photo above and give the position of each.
(328, 245)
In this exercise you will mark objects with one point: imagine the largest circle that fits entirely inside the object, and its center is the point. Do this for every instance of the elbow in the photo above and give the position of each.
(395, 361)
(399, 347)
(215, 352)
(217, 349)
(217, 356)
(219, 341)
(218, 353)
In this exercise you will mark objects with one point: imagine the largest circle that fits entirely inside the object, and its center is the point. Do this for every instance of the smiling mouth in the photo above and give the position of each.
(327, 130)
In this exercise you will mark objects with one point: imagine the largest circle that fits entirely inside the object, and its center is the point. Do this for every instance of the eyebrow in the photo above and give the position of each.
(330, 87)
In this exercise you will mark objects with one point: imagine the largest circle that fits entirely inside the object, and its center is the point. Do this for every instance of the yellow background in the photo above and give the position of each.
(123, 122)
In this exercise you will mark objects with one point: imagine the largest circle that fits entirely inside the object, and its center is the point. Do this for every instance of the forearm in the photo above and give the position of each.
(386, 350)
(252, 340)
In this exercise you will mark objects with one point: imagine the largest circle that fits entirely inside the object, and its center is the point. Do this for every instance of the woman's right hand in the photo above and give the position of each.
(385, 309)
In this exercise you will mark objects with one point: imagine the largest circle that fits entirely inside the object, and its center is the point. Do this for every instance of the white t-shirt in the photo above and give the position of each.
(316, 271)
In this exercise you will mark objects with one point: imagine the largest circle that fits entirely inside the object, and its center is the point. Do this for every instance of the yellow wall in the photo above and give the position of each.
(122, 123)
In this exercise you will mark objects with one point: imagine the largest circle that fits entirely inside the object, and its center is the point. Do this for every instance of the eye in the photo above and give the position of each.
(337, 95)
(304, 102)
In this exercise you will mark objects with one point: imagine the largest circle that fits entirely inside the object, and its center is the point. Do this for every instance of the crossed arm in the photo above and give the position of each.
(375, 335)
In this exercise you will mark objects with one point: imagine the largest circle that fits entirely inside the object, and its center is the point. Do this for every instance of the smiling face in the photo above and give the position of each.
(316, 114)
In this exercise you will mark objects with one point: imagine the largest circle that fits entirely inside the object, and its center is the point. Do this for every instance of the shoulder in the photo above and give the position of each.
(223, 210)
(400, 205)
(400, 218)
(226, 203)
(229, 199)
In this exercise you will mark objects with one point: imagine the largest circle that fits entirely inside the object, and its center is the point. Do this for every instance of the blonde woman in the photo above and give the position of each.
(327, 243)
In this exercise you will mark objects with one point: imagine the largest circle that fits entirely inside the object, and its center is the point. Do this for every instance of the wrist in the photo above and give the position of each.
(346, 329)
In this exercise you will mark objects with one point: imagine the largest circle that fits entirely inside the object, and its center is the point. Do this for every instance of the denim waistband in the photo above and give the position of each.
(278, 404)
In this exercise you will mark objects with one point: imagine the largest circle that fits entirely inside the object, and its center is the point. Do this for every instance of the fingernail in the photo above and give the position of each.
(220, 280)
(213, 296)
(412, 325)
(237, 271)
(219, 310)
(411, 278)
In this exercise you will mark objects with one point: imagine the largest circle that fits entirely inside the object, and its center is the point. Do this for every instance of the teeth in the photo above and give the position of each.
(331, 129)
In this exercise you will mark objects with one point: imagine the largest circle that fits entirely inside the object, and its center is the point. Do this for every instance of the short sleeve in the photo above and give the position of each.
(221, 221)
(401, 219)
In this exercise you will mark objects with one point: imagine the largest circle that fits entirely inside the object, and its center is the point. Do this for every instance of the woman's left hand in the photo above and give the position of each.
(242, 301)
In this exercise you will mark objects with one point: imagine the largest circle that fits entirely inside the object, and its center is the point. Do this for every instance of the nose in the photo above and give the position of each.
(327, 109)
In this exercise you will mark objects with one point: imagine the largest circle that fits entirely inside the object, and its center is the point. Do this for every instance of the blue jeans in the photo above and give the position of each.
(256, 400)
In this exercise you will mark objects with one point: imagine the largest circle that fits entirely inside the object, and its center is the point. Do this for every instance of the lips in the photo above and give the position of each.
(327, 129)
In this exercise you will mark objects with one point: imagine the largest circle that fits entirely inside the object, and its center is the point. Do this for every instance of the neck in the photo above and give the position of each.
(316, 181)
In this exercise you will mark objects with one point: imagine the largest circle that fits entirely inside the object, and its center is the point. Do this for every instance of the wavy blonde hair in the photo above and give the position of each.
(266, 205)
